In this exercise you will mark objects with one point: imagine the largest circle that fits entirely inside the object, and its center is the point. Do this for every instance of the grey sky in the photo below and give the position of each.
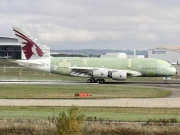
(95, 24)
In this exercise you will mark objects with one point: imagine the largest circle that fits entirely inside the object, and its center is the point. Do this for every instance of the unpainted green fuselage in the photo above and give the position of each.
(148, 67)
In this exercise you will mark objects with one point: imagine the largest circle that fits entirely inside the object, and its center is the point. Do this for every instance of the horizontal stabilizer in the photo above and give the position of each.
(29, 63)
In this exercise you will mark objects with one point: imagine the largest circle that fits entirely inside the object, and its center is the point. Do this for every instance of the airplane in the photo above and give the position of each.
(95, 69)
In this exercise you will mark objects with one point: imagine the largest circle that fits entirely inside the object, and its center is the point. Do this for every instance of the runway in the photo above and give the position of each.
(172, 83)
(171, 101)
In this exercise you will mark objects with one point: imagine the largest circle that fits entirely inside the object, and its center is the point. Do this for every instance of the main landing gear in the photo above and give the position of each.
(92, 80)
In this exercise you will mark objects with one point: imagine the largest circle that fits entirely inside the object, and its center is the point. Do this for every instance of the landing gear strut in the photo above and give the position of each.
(100, 81)
(92, 80)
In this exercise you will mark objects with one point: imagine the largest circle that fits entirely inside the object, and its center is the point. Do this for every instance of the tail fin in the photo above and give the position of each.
(31, 48)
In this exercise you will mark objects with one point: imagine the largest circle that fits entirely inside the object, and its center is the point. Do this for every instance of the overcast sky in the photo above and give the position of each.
(95, 24)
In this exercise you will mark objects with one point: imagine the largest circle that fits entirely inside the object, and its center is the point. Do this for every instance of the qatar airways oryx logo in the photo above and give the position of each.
(30, 48)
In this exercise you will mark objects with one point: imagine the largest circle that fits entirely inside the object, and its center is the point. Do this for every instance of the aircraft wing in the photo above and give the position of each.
(86, 71)
(82, 71)
(131, 73)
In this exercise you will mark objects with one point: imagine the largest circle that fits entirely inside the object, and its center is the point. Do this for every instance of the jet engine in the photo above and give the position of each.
(100, 73)
(119, 75)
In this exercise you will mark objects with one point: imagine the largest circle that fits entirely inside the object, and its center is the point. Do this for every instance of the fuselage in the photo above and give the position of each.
(148, 67)
(96, 69)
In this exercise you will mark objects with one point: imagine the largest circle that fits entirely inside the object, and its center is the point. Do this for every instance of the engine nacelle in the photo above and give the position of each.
(119, 75)
(100, 73)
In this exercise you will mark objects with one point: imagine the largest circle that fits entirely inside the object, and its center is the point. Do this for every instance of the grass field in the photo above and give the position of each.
(45, 91)
(97, 113)
(11, 71)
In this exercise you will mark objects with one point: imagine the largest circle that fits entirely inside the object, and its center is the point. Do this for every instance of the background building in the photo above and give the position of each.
(121, 55)
(168, 53)
(10, 48)
(114, 55)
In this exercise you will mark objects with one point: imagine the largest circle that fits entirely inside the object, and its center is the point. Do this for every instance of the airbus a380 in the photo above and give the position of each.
(95, 69)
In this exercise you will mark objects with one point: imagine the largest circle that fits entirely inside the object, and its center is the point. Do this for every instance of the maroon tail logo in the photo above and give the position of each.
(30, 47)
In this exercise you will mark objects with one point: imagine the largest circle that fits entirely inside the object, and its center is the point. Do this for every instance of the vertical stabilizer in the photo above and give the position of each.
(31, 48)
(37, 56)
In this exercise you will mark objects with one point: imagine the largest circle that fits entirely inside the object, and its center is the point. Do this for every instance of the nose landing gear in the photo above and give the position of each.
(166, 80)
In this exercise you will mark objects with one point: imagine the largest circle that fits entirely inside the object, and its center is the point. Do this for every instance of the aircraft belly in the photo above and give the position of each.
(62, 71)
(151, 73)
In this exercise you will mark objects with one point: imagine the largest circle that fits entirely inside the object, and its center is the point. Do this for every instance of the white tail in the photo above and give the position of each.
(37, 56)
(31, 48)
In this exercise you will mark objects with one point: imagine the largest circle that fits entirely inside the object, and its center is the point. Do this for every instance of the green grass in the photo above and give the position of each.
(117, 114)
(45, 91)
(11, 71)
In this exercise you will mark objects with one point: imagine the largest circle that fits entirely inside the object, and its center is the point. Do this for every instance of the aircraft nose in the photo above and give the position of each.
(175, 71)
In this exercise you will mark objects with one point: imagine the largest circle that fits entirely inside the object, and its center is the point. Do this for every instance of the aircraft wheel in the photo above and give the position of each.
(98, 80)
(93, 80)
(89, 81)
(166, 81)
(101, 81)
